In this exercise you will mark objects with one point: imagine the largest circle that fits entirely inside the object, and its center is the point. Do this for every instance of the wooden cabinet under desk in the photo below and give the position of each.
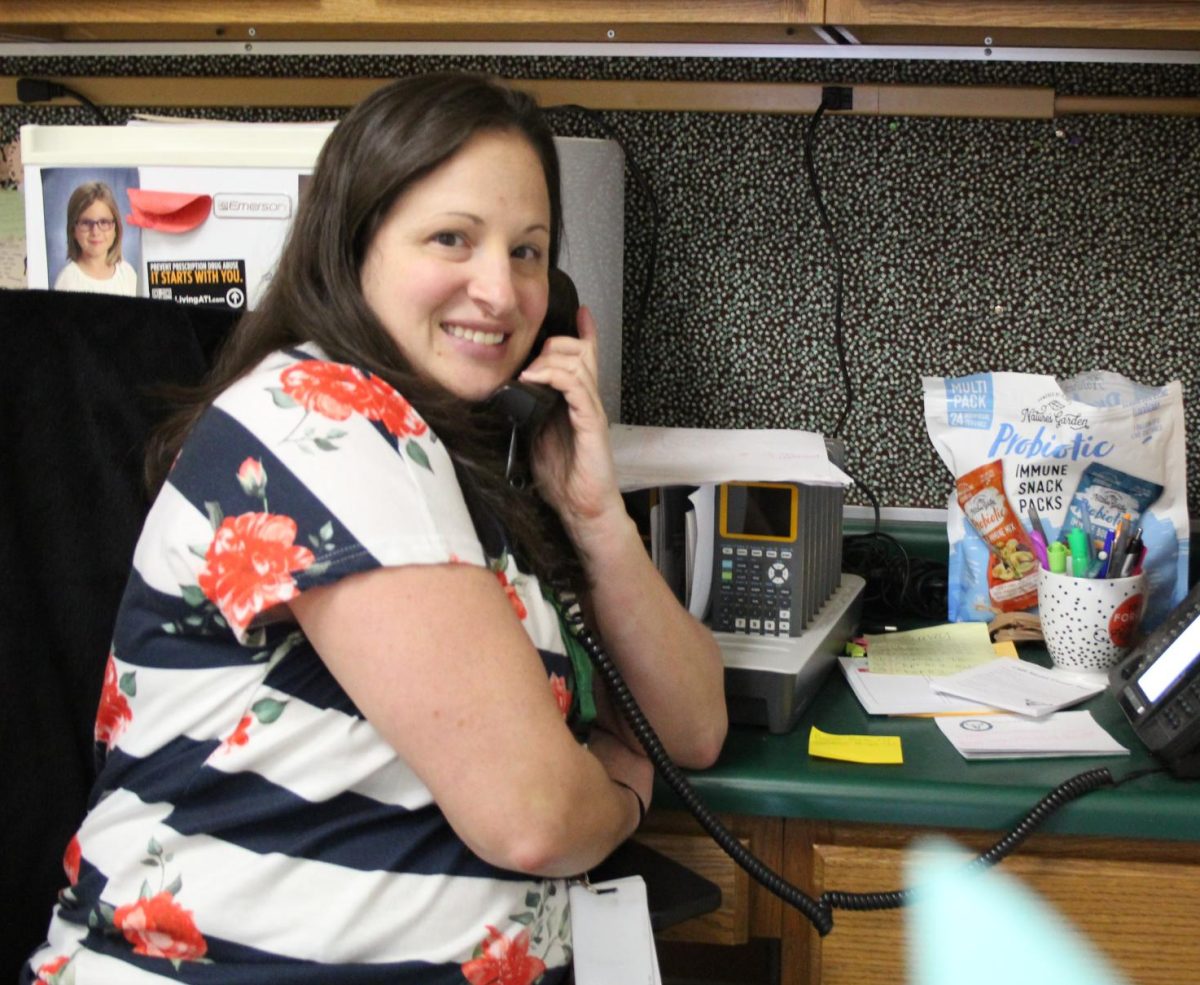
(1121, 862)
(1137, 901)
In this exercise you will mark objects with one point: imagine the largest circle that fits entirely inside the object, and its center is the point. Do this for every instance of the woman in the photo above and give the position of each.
(342, 723)
(94, 244)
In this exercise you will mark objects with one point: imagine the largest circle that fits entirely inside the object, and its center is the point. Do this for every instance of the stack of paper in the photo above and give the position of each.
(896, 677)
(902, 694)
(653, 456)
(1015, 685)
(1066, 733)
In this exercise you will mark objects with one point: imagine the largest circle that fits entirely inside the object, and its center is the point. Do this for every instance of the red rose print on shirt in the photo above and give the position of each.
(49, 971)
(503, 961)
(513, 598)
(240, 735)
(252, 477)
(248, 566)
(71, 859)
(397, 414)
(336, 391)
(265, 711)
(114, 712)
(158, 927)
(558, 684)
(329, 389)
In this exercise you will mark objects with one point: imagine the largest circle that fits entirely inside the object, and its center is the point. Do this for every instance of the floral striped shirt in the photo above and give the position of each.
(249, 825)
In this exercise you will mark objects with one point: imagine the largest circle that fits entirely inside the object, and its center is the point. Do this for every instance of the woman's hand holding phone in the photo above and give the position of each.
(572, 457)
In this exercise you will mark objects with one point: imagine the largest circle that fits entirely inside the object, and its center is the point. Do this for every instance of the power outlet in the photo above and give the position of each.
(837, 98)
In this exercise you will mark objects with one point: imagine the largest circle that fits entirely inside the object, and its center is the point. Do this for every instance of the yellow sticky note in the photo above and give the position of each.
(855, 748)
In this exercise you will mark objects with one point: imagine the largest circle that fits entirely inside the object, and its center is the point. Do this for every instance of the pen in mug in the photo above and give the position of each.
(1035, 524)
(1077, 540)
(1134, 555)
(1141, 562)
(1057, 554)
(1106, 553)
(1039, 548)
(1124, 530)
(1123, 542)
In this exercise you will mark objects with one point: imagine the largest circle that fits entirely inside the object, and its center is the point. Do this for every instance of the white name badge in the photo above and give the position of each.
(613, 942)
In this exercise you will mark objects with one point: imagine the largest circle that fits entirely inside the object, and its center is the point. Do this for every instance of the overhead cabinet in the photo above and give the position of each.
(1173, 24)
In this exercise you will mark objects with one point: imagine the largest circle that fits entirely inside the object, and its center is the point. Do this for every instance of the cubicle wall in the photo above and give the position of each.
(1049, 246)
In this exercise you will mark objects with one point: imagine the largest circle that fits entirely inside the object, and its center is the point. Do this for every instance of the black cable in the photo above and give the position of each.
(821, 919)
(43, 90)
(894, 580)
(1063, 794)
(839, 339)
(819, 912)
(644, 186)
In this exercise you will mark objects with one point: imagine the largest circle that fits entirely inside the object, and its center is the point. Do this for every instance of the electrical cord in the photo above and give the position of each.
(895, 581)
(819, 912)
(43, 90)
(839, 337)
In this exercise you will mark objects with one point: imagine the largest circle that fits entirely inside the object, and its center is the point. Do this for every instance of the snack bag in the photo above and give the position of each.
(1051, 454)
(1012, 575)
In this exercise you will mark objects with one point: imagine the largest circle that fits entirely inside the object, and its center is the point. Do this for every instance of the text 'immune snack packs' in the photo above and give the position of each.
(1031, 453)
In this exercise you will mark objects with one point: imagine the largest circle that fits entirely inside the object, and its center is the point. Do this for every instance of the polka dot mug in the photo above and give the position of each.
(1090, 623)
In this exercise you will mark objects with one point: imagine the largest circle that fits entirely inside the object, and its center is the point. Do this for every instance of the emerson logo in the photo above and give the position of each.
(229, 205)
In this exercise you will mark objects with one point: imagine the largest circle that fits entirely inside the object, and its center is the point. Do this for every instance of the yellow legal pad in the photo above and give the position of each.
(855, 748)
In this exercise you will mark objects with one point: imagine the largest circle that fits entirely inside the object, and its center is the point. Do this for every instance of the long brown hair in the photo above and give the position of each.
(80, 201)
(394, 137)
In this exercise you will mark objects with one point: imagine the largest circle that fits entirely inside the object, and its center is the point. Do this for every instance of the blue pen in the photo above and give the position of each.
(1106, 554)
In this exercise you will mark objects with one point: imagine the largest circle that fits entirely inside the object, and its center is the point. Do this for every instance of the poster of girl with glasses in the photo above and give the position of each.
(94, 252)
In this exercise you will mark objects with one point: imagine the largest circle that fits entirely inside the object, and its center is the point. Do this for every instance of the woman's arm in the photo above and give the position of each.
(436, 660)
(670, 661)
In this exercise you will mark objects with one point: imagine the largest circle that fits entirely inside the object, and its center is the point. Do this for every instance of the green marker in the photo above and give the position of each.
(1057, 553)
(1077, 540)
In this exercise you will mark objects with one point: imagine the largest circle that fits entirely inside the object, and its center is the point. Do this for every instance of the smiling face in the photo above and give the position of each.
(94, 242)
(457, 272)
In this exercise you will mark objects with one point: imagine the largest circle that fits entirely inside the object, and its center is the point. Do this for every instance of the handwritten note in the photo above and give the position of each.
(935, 650)
(883, 749)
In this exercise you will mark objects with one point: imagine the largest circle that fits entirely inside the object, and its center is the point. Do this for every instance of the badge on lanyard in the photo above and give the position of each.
(612, 937)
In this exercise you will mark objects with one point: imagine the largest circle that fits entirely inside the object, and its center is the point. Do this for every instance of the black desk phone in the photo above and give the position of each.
(529, 405)
(1158, 687)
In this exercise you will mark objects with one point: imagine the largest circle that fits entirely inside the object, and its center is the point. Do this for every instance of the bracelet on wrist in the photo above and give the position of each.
(636, 796)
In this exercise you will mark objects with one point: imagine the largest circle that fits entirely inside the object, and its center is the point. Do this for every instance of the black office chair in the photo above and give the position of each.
(76, 409)
(74, 418)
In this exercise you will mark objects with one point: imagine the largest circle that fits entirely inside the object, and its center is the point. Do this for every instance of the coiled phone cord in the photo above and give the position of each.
(819, 912)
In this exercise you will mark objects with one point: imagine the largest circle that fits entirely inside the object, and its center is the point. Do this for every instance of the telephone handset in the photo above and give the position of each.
(527, 406)
(1158, 687)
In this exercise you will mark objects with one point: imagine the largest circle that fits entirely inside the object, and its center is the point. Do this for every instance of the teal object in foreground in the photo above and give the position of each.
(984, 927)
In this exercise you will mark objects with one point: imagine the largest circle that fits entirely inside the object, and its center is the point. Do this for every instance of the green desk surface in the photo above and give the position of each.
(772, 775)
